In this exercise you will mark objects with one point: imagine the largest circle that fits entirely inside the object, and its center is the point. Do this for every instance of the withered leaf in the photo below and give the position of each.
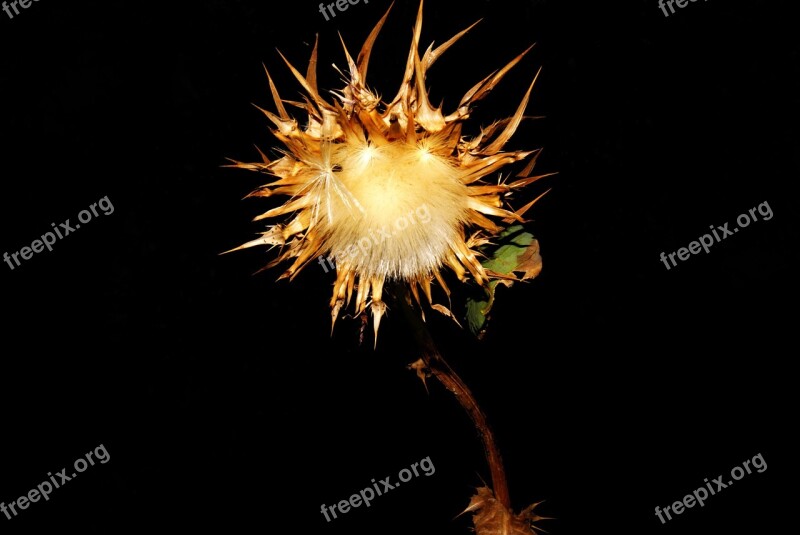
(490, 517)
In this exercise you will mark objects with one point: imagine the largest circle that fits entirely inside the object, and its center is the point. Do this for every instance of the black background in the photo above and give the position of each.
(613, 384)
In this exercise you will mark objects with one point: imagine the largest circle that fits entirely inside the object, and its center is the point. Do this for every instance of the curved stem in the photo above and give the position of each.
(440, 369)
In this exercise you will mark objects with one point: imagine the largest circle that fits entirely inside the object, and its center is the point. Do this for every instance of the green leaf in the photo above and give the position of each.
(516, 251)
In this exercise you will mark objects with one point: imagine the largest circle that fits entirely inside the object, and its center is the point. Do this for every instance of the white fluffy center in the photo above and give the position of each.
(391, 210)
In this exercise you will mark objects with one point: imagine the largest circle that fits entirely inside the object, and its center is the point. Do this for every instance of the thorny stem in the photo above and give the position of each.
(440, 369)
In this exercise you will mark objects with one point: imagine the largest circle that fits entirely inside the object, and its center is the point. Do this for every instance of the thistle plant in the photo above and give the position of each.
(358, 166)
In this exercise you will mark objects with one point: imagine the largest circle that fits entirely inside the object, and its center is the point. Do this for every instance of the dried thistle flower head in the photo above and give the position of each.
(389, 191)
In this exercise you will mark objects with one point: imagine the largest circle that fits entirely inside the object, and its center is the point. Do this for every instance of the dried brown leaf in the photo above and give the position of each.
(490, 517)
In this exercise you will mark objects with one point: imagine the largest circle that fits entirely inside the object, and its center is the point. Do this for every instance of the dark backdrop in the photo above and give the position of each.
(614, 385)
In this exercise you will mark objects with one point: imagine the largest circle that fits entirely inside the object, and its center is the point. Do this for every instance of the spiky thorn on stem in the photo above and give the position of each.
(441, 370)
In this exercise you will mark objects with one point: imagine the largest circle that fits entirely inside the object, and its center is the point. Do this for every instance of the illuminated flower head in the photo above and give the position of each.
(388, 191)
